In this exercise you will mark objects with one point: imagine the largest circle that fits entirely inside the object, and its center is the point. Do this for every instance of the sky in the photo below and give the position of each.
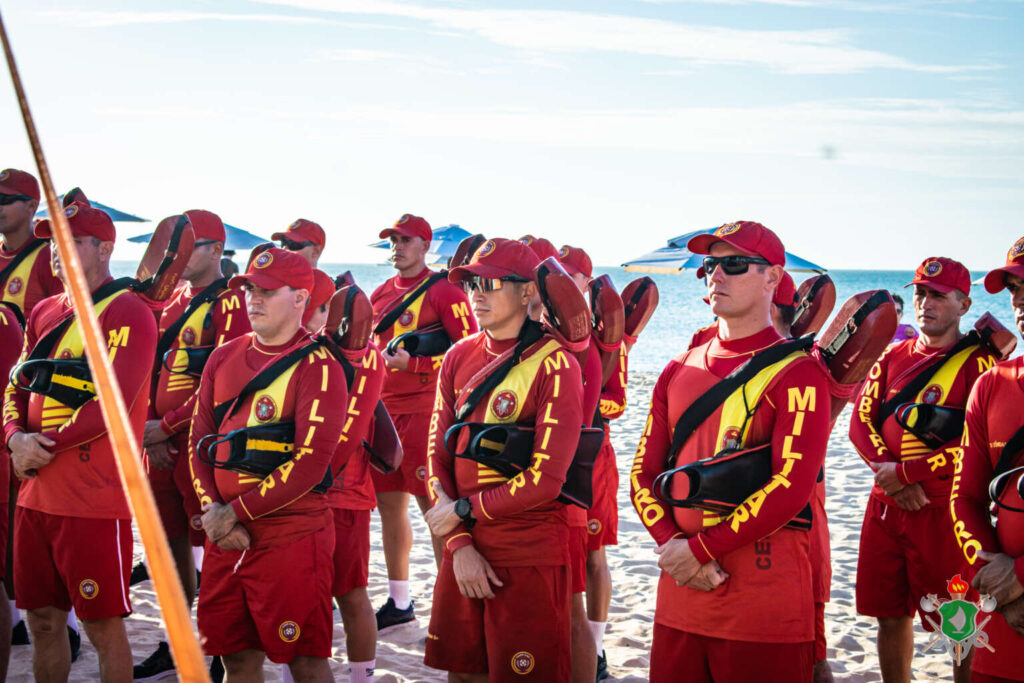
(867, 134)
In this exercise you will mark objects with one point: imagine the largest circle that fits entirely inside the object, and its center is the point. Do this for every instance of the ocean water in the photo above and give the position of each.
(682, 311)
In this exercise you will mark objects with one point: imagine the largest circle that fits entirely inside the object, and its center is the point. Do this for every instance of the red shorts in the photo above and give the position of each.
(681, 656)
(903, 557)
(522, 633)
(175, 498)
(1005, 664)
(603, 516)
(820, 644)
(411, 475)
(578, 558)
(351, 550)
(67, 562)
(277, 600)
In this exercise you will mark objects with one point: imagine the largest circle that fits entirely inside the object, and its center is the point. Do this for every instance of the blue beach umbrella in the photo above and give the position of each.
(675, 258)
(237, 239)
(442, 245)
(116, 215)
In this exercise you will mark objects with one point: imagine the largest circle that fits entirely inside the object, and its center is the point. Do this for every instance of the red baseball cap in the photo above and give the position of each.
(323, 290)
(747, 236)
(943, 275)
(410, 226)
(996, 280)
(498, 258)
(575, 260)
(84, 220)
(303, 231)
(540, 246)
(785, 292)
(276, 268)
(206, 225)
(13, 181)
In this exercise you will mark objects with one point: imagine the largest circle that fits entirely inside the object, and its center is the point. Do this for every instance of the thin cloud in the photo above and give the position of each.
(818, 51)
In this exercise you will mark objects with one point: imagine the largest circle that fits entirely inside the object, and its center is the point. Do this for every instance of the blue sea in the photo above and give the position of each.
(682, 310)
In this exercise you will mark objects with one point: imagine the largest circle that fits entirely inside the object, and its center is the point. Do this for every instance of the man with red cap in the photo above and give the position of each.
(416, 300)
(25, 274)
(501, 601)
(202, 314)
(760, 624)
(279, 388)
(11, 341)
(73, 538)
(316, 311)
(993, 444)
(305, 238)
(906, 543)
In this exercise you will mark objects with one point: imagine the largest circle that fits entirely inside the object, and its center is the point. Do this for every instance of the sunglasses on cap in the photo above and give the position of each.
(292, 245)
(6, 199)
(734, 264)
(488, 284)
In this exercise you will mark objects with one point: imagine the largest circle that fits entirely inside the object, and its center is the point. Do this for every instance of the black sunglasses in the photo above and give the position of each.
(488, 284)
(6, 199)
(203, 243)
(733, 264)
(292, 245)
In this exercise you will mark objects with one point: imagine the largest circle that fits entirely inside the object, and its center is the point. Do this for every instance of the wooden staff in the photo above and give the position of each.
(188, 656)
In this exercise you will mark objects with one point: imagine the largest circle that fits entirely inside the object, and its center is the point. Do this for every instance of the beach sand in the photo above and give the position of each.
(851, 638)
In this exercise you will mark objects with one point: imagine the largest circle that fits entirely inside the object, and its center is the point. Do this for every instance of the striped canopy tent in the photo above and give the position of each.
(442, 244)
(675, 258)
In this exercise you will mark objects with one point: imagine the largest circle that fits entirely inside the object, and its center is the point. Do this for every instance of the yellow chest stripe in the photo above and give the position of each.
(735, 408)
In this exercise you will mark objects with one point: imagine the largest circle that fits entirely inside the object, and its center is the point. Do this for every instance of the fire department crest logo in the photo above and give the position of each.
(289, 631)
(526, 239)
(406, 318)
(1016, 250)
(71, 211)
(932, 395)
(932, 268)
(89, 589)
(15, 285)
(485, 250)
(263, 260)
(727, 229)
(65, 354)
(295, 224)
(266, 409)
(593, 526)
(421, 472)
(731, 438)
(188, 336)
(196, 521)
(404, 219)
(563, 252)
(4, 175)
(523, 663)
(504, 404)
(958, 629)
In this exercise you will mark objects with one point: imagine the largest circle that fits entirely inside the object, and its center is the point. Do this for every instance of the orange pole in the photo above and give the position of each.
(188, 656)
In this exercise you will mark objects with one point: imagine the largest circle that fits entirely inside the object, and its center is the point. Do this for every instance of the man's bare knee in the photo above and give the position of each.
(310, 669)
(46, 620)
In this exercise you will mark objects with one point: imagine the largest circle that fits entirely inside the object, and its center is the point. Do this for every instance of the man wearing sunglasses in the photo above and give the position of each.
(501, 600)
(425, 299)
(761, 625)
(203, 312)
(305, 238)
(25, 274)
(995, 555)
(906, 547)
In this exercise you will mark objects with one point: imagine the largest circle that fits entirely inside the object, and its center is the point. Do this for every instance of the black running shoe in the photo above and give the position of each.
(76, 643)
(139, 574)
(216, 670)
(389, 615)
(602, 666)
(158, 665)
(19, 634)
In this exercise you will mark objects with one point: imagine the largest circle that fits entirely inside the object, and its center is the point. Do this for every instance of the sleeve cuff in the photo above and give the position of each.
(240, 510)
(699, 549)
(476, 502)
(166, 427)
(459, 538)
(903, 475)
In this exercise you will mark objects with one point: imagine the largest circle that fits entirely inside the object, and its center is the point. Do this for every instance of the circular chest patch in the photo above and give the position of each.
(406, 318)
(731, 438)
(89, 589)
(65, 354)
(727, 229)
(504, 404)
(266, 409)
(522, 663)
(593, 526)
(932, 395)
(15, 285)
(289, 631)
(263, 260)
(188, 336)
(932, 268)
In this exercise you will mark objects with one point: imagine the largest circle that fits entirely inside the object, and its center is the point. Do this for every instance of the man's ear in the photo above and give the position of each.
(529, 290)
(774, 277)
(105, 250)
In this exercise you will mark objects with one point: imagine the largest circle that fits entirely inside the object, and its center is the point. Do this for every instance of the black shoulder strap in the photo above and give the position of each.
(346, 365)
(25, 252)
(1013, 446)
(263, 379)
(391, 316)
(920, 381)
(45, 345)
(16, 311)
(209, 293)
(530, 334)
(710, 400)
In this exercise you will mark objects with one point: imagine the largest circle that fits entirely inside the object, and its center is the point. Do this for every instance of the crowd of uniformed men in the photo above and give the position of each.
(228, 374)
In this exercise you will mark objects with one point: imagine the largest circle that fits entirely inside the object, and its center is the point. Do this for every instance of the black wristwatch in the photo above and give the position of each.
(464, 510)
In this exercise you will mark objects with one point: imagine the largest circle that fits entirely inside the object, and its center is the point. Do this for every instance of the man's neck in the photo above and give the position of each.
(947, 338)
(412, 271)
(94, 280)
(206, 279)
(16, 239)
(745, 326)
(507, 330)
(281, 336)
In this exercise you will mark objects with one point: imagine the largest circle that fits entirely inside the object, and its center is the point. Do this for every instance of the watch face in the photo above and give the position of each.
(463, 508)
